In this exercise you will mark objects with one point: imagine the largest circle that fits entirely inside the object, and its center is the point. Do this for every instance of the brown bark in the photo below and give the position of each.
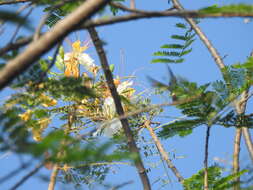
(236, 156)
(206, 158)
(119, 109)
(48, 40)
(163, 153)
(53, 177)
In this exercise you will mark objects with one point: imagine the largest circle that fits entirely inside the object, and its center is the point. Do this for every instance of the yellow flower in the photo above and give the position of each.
(47, 101)
(38, 130)
(26, 116)
(76, 47)
(75, 58)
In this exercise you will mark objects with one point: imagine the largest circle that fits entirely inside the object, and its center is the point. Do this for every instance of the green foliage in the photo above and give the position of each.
(68, 87)
(13, 134)
(181, 128)
(206, 106)
(236, 8)
(174, 53)
(35, 74)
(113, 9)
(215, 179)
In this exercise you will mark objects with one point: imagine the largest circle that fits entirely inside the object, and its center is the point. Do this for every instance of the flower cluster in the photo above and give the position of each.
(99, 109)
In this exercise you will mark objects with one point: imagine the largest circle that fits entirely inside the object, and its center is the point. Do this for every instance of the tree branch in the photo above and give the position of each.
(131, 17)
(53, 176)
(236, 156)
(165, 156)
(132, 4)
(24, 60)
(206, 158)
(119, 109)
(26, 177)
(17, 44)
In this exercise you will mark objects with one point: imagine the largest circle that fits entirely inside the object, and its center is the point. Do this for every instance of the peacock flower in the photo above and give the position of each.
(75, 58)
(109, 111)
(47, 101)
(26, 116)
(38, 130)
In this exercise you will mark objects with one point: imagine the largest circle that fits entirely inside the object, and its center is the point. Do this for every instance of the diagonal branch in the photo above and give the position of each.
(163, 153)
(26, 177)
(119, 109)
(53, 177)
(12, 46)
(206, 158)
(16, 66)
(236, 156)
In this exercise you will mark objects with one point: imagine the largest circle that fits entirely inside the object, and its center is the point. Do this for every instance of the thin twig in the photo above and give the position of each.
(53, 176)
(12, 46)
(121, 185)
(206, 158)
(132, 4)
(240, 109)
(163, 153)
(20, 24)
(39, 28)
(248, 140)
(119, 109)
(236, 156)
(24, 60)
(42, 76)
(26, 177)
(14, 172)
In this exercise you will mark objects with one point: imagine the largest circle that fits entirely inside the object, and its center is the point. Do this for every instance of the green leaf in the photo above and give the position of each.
(185, 52)
(112, 66)
(233, 8)
(179, 37)
(52, 19)
(173, 46)
(181, 128)
(163, 60)
(181, 25)
(166, 53)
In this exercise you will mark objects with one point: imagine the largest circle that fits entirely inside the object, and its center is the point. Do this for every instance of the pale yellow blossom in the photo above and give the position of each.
(26, 116)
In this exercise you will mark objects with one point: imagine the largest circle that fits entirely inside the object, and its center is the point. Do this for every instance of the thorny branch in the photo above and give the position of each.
(119, 109)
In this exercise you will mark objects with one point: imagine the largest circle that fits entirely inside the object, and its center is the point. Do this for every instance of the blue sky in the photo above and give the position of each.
(139, 40)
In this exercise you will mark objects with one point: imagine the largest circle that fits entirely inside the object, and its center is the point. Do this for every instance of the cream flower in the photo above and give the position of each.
(109, 128)
(73, 59)
(112, 127)
(83, 59)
